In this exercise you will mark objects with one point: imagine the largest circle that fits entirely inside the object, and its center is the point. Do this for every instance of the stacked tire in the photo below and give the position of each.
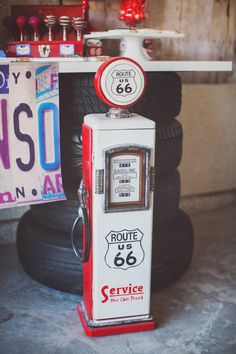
(43, 237)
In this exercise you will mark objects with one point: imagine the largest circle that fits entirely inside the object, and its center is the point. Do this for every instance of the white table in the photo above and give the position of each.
(178, 66)
(76, 65)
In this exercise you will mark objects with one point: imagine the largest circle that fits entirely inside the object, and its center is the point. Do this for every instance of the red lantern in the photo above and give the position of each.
(132, 11)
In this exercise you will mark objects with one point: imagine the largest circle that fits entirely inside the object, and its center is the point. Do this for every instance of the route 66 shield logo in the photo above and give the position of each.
(123, 83)
(124, 249)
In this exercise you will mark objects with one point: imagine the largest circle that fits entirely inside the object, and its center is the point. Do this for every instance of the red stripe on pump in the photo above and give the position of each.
(87, 177)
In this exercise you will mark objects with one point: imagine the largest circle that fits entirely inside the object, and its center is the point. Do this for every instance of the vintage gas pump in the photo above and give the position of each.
(116, 196)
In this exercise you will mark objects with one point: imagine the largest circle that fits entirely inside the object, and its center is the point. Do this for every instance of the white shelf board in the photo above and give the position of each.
(72, 67)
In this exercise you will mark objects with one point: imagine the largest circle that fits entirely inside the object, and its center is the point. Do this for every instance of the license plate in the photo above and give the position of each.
(30, 161)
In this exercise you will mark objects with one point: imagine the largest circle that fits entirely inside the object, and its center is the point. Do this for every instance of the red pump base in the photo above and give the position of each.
(93, 330)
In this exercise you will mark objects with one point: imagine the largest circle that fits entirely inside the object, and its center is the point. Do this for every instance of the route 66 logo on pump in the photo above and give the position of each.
(121, 83)
(124, 249)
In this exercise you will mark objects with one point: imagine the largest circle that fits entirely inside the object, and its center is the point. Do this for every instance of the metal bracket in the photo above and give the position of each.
(99, 181)
(118, 113)
(83, 194)
(152, 179)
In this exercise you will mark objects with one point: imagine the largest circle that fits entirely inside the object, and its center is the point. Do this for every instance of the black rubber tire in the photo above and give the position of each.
(161, 102)
(61, 215)
(163, 98)
(172, 249)
(169, 138)
(47, 256)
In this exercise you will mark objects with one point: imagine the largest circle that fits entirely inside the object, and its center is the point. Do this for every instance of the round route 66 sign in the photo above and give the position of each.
(120, 82)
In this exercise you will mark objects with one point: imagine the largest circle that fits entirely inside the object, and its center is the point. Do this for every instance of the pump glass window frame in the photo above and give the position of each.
(142, 165)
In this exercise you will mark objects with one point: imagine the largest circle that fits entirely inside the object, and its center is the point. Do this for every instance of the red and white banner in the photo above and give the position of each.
(30, 163)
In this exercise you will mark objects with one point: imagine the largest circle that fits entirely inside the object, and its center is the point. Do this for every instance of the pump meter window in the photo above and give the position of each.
(127, 177)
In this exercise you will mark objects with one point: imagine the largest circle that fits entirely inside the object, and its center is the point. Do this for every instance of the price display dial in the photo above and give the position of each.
(120, 82)
(127, 178)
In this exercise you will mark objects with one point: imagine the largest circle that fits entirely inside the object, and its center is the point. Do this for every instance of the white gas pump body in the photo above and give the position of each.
(116, 206)
(122, 226)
